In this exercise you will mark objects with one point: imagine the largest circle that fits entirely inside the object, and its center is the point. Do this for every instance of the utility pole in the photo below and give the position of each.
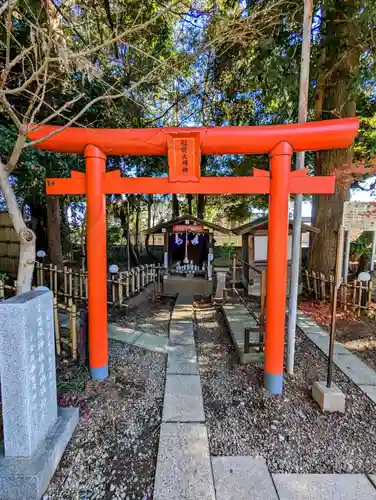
(298, 201)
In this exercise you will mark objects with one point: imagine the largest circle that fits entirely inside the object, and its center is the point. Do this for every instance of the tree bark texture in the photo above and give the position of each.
(175, 206)
(201, 198)
(26, 235)
(55, 251)
(189, 200)
(334, 99)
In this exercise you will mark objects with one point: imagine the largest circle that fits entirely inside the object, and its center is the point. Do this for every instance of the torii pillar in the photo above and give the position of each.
(184, 146)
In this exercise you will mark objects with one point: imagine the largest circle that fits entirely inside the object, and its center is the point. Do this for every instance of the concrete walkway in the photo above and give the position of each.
(183, 465)
(185, 469)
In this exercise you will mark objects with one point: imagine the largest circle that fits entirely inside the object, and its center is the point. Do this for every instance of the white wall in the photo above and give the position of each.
(261, 248)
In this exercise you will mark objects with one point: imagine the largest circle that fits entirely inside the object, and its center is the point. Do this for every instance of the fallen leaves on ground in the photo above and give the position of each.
(321, 312)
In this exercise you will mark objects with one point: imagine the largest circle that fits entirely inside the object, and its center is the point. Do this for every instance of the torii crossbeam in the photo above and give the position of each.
(184, 147)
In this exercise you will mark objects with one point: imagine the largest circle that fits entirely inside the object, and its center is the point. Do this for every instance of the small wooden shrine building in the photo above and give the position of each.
(188, 245)
(254, 249)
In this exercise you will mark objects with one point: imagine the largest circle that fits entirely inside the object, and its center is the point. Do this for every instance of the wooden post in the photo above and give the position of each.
(165, 248)
(314, 279)
(55, 289)
(113, 291)
(234, 272)
(57, 327)
(65, 270)
(322, 284)
(360, 297)
(121, 282)
(263, 299)
(73, 315)
(51, 269)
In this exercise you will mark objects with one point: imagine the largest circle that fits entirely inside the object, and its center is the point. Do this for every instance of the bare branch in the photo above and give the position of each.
(70, 122)
(10, 111)
(93, 101)
(16, 153)
(57, 112)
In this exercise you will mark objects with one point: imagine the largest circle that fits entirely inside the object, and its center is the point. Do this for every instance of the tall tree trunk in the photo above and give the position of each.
(38, 213)
(201, 198)
(150, 206)
(137, 230)
(175, 206)
(132, 257)
(334, 99)
(55, 251)
(201, 203)
(189, 200)
(26, 235)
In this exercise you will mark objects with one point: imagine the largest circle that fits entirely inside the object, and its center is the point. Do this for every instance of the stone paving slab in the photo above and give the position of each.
(183, 399)
(150, 342)
(370, 391)
(322, 342)
(184, 299)
(355, 369)
(183, 465)
(182, 360)
(324, 487)
(372, 478)
(181, 334)
(122, 334)
(242, 478)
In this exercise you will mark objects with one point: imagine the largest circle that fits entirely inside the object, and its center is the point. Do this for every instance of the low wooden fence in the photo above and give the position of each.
(355, 295)
(69, 288)
(66, 338)
(69, 283)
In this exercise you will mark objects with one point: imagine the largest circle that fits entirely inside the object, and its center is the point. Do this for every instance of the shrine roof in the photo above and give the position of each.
(262, 223)
(181, 220)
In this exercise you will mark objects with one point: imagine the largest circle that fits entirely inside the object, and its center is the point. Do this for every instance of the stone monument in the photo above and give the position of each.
(221, 266)
(35, 431)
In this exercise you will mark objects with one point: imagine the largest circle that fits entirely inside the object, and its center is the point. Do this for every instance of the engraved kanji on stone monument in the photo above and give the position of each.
(28, 372)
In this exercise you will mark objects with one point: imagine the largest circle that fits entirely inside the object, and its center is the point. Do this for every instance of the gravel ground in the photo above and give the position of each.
(289, 431)
(114, 449)
(152, 315)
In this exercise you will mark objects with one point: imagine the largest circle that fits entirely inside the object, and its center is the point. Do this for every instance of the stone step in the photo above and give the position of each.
(238, 318)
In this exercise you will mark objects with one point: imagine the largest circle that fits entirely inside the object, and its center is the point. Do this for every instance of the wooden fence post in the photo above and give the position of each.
(57, 327)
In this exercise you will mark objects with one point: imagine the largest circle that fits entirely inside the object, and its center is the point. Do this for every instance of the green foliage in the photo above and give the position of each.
(362, 245)
(226, 250)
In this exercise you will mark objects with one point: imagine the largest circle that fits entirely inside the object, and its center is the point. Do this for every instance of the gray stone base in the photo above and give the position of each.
(328, 398)
(28, 478)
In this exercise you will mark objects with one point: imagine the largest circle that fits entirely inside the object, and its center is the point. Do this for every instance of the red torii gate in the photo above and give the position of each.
(184, 147)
